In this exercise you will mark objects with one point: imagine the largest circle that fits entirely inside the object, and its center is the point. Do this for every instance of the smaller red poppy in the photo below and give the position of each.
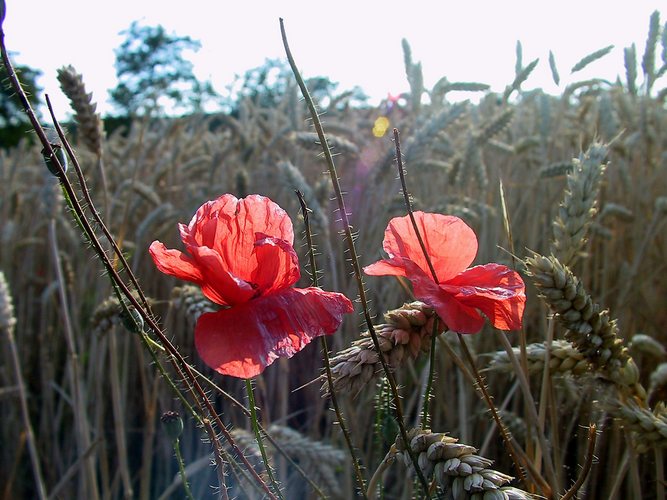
(240, 253)
(460, 292)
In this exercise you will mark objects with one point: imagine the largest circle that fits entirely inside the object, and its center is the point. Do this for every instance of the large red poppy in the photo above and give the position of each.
(460, 292)
(240, 253)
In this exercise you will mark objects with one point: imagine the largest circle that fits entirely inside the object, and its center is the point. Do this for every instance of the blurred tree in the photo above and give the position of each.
(267, 85)
(154, 75)
(14, 123)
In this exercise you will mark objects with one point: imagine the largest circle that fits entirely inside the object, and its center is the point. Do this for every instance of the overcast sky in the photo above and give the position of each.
(352, 42)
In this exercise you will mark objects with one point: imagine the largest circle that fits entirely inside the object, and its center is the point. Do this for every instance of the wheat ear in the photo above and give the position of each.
(456, 468)
(564, 359)
(86, 116)
(406, 332)
(589, 328)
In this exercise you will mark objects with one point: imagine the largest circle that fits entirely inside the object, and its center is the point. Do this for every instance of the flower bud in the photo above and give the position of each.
(173, 424)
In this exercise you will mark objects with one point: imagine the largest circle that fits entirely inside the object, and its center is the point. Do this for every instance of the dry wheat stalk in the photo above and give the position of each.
(89, 121)
(589, 329)
(406, 333)
(456, 468)
(579, 205)
(564, 359)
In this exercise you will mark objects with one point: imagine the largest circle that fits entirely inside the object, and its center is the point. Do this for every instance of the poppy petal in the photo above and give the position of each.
(243, 340)
(218, 284)
(496, 290)
(386, 267)
(450, 243)
(277, 264)
(175, 263)
(230, 226)
(457, 316)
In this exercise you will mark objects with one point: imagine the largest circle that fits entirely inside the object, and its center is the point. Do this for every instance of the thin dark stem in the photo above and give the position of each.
(481, 386)
(325, 353)
(408, 204)
(478, 377)
(347, 229)
(588, 463)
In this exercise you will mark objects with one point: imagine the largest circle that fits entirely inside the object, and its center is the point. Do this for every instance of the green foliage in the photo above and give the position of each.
(154, 75)
(14, 123)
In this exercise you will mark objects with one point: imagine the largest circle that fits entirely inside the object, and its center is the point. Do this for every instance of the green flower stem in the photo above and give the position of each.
(181, 468)
(325, 352)
(258, 437)
(431, 373)
(347, 229)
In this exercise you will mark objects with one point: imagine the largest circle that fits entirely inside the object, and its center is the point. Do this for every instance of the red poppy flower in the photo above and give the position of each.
(460, 293)
(240, 253)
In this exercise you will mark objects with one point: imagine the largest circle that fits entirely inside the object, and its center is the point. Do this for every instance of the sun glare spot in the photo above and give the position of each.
(380, 126)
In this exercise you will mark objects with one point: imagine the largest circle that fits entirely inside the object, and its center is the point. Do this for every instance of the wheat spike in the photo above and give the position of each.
(579, 205)
(657, 388)
(7, 318)
(89, 121)
(554, 68)
(456, 467)
(593, 56)
(649, 427)
(648, 60)
(406, 333)
(589, 329)
(193, 301)
(564, 359)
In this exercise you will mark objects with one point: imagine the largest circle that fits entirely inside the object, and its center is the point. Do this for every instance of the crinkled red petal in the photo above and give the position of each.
(175, 263)
(450, 243)
(494, 289)
(456, 315)
(241, 341)
(279, 264)
(231, 226)
(218, 284)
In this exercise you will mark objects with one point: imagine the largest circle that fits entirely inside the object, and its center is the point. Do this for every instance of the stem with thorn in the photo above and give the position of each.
(353, 253)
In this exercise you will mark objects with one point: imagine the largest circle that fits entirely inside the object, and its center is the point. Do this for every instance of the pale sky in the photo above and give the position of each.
(351, 42)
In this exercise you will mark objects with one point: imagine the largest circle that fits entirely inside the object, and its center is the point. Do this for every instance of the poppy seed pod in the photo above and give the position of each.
(173, 424)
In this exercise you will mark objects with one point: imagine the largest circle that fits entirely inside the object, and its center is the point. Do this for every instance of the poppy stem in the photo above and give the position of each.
(325, 353)
(431, 373)
(408, 204)
(347, 228)
(258, 437)
(178, 362)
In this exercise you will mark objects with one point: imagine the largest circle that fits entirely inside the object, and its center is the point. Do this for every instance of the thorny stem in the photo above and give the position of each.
(431, 373)
(480, 382)
(175, 358)
(325, 353)
(408, 204)
(258, 436)
(586, 469)
(353, 254)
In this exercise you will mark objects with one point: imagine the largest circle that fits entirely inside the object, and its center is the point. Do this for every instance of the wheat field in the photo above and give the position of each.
(569, 190)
